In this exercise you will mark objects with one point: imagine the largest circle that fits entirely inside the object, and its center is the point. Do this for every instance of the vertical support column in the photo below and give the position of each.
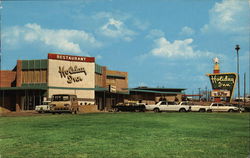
(18, 84)
(18, 103)
(104, 81)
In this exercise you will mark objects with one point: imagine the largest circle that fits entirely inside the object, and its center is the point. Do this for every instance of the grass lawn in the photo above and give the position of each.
(126, 135)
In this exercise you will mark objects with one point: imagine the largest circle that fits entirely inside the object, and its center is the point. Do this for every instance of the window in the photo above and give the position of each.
(65, 98)
(172, 103)
(163, 103)
(60, 98)
(214, 105)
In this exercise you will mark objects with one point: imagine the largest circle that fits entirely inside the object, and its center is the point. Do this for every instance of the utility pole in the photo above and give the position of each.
(237, 48)
(1, 48)
(206, 93)
(244, 89)
(199, 94)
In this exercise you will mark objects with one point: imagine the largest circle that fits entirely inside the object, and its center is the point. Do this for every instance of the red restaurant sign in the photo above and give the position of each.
(71, 58)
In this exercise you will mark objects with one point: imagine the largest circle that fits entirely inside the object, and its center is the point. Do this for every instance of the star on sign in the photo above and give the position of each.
(216, 60)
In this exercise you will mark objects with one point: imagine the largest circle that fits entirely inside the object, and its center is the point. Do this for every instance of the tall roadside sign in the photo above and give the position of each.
(223, 84)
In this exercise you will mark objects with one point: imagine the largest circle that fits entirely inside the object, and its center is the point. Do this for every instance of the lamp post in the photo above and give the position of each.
(237, 48)
(199, 94)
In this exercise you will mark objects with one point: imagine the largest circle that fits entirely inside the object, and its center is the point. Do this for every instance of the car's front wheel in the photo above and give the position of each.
(202, 110)
(182, 110)
(209, 110)
(156, 110)
(231, 110)
(116, 110)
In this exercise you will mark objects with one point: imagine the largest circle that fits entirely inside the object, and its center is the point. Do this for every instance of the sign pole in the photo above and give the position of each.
(237, 48)
(244, 89)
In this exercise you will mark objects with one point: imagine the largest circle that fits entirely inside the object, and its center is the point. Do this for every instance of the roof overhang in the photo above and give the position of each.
(152, 91)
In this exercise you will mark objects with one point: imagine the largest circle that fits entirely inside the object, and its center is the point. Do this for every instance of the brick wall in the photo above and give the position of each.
(118, 82)
(88, 108)
(7, 78)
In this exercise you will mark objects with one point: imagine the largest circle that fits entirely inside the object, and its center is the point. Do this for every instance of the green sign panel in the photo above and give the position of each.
(223, 81)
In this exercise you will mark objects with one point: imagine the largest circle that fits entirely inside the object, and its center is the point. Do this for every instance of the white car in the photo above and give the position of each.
(219, 107)
(196, 107)
(167, 106)
(45, 107)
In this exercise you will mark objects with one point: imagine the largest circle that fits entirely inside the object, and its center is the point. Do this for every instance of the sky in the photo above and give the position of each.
(160, 43)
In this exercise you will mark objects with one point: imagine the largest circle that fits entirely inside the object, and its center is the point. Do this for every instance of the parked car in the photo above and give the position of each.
(219, 107)
(45, 107)
(62, 103)
(167, 106)
(241, 99)
(195, 107)
(242, 109)
(140, 107)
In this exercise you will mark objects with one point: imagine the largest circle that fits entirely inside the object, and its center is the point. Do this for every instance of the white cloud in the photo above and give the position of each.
(230, 16)
(116, 29)
(59, 40)
(187, 31)
(155, 33)
(178, 48)
(122, 16)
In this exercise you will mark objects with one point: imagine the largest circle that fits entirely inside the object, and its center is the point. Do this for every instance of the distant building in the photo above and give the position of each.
(33, 81)
(151, 95)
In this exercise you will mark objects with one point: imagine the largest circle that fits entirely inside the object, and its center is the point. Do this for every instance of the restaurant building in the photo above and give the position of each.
(33, 81)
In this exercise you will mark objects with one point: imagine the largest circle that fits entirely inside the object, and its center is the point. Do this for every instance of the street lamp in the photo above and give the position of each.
(237, 48)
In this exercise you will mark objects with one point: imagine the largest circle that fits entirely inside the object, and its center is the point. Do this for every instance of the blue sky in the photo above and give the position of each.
(163, 43)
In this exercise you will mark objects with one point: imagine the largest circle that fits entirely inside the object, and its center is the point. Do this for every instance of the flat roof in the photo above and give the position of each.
(156, 90)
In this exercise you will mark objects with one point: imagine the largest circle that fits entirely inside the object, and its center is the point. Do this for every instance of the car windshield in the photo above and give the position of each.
(163, 103)
(60, 98)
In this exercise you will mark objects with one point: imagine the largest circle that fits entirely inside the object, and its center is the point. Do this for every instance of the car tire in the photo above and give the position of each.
(202, 110)
(156, 110)
(142, 110)
(116, 110)
(182, 110)
(230, 110)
